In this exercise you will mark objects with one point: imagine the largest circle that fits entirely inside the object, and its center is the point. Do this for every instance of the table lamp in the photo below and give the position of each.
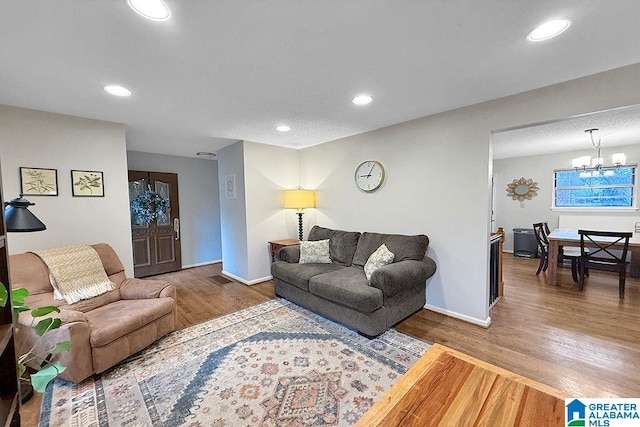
(299, 199)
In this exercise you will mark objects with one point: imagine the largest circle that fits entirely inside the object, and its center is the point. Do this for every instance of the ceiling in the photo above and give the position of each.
(616, 128)
(225, 70)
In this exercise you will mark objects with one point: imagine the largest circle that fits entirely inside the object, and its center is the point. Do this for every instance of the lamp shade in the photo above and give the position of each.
(18, 218)
(618, 159)
(299, 199)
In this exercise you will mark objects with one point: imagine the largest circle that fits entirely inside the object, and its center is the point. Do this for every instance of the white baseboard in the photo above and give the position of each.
(200, 264)
(246, 282)
(509, 251)
(484, 323)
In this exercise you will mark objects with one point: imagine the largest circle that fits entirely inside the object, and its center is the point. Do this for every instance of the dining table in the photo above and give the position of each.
(569, 237)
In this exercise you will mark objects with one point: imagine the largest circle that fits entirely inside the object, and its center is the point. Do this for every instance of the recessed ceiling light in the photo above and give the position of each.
(548, 30)
(362, 100)
(155, 10)
(283, 128)
(117, 90)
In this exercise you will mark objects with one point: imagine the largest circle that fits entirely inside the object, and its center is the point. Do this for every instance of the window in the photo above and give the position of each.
(605, 188)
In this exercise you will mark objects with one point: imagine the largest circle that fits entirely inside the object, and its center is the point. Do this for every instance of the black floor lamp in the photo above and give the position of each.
(299, 199)
(18, 219)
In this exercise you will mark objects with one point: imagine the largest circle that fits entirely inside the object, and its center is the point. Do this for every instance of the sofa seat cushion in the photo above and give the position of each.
(119, 318)
(348, 287)
(299, 274)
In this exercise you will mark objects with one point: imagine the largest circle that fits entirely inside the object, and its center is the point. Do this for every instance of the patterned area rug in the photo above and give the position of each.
(274, 364)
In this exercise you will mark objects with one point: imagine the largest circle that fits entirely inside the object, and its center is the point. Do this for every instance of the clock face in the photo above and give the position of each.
(369, 175)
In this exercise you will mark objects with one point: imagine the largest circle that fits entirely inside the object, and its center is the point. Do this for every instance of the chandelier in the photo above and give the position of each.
(597, 163)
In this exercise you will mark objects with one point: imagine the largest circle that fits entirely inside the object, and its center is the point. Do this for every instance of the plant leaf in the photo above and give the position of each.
(60, 347)
(18, 295)
(47, 324)
(4, 295)
(40, 379)
(42, 311)
(21, 369)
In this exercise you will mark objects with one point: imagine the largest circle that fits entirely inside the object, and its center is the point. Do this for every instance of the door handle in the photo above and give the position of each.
(176, 227)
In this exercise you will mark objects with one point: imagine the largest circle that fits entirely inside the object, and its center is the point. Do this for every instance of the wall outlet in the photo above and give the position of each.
(522, 204)
(637, 227)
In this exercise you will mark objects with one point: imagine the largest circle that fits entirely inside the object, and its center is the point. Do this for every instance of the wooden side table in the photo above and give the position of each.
(276, 245)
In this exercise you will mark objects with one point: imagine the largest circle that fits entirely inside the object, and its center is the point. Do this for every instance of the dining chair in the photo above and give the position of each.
(605, 253)
(543, 246)
(540, 229)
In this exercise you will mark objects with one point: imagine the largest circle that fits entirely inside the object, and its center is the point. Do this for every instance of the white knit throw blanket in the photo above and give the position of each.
(76, 273)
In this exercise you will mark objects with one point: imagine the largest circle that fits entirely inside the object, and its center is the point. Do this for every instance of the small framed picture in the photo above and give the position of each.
(87, 183)
(38, 182)
(230, 186)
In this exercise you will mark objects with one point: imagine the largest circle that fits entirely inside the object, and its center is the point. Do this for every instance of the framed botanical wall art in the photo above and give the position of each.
(38, 182)
(87, 183)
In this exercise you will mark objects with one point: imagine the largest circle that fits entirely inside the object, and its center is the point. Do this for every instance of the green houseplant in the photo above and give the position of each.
(49, 370)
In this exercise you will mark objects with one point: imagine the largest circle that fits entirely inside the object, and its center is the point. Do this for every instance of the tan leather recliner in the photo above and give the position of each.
(105, 329)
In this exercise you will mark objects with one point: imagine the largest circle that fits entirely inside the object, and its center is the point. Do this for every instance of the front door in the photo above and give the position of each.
(156, 244)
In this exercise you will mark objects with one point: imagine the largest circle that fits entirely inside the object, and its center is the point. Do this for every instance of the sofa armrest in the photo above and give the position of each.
(66, 316)
(75, 328)
(146, 289)
(290, 254)
(391, 278)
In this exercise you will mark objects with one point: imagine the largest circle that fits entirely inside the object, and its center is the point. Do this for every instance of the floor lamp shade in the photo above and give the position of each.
(19, 219)
(299, 199)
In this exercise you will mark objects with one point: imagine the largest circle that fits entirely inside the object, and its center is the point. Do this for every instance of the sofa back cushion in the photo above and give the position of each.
(111, 263)
(28, 271)
(403, 247)
(342, 244)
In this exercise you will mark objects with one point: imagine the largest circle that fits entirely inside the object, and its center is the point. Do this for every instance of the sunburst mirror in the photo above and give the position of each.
(522, 189)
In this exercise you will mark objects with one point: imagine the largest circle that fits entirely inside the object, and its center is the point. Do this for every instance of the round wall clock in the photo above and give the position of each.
(369, 175)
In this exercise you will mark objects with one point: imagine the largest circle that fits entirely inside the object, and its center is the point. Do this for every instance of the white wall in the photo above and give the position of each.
(233, 212)
(199, 201)
(269, 170)
(31, 138)
(256, 215)
(511, 214)
(438, 179)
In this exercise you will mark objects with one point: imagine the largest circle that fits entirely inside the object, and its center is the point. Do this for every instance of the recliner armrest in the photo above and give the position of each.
(391, 278)
(290, 254)
(75, 328)
(146, 288)
(66, 316)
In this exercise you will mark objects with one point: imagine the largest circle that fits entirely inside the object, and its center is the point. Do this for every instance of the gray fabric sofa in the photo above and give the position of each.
(341, 291)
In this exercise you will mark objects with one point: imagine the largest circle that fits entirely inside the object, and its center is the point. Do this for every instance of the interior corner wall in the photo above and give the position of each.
(269, 170)
(199, 200)
(438, 179)
(510, 214)
(30, 138)
(233, 212)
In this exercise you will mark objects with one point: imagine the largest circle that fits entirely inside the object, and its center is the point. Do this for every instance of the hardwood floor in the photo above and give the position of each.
(583, 343)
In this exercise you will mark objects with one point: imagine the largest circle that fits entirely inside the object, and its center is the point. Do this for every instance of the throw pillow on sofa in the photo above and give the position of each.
(381, 257)
(314, 252)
